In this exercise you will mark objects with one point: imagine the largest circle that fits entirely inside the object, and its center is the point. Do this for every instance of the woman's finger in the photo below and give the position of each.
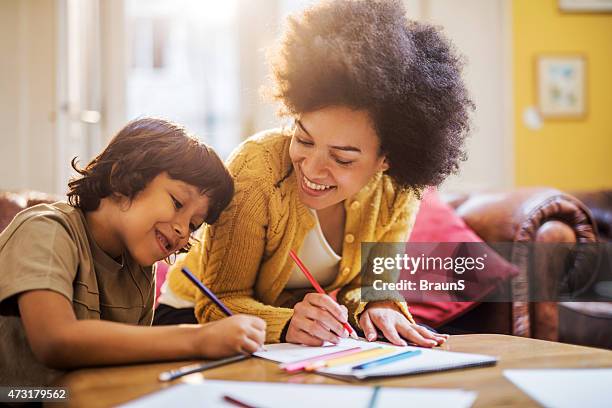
(325, 319)
(428, 334)
(308, 340)
(327, 303)
(369, 331)
(409, 332)
(387, 326)
(315, 329)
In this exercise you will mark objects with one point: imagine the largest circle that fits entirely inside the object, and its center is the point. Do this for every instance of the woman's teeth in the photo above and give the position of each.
(315, 186)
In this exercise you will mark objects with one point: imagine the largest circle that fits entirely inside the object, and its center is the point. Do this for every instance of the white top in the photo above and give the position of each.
(315, 253)
(319, 258)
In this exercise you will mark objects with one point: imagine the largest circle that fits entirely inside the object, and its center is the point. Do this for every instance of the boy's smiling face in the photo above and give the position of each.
(159, 220)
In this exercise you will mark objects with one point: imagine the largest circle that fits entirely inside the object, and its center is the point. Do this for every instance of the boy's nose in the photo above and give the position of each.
(179, 230)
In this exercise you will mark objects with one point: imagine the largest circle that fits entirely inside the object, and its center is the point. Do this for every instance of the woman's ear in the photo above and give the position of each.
(384, 164)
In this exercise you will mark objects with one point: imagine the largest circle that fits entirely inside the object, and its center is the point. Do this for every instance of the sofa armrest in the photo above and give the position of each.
(600, 204)
(518, 215)
(530, 215)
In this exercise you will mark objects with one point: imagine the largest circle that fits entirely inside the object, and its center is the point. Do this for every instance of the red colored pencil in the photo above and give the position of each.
(316, 285)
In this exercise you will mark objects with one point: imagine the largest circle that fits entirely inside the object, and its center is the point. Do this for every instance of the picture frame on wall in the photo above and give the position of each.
(561, 86)
(586, 6)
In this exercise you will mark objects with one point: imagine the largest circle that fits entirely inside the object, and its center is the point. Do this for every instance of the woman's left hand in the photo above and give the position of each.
(387, 317)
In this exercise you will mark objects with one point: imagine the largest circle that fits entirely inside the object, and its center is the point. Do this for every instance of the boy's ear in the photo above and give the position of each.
(122, 201)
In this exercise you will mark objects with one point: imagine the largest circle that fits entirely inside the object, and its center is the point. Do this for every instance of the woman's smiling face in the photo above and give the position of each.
(335, 153)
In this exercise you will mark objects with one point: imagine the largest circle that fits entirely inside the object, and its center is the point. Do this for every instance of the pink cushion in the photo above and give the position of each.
(438, 222)
(160, 278)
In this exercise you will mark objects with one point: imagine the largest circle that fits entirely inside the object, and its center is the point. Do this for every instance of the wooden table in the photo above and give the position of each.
(102, 387)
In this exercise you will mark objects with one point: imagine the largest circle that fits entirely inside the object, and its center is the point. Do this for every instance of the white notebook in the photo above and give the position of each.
(429, 360)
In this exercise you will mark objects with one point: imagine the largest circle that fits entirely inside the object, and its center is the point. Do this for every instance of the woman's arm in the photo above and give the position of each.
(61, 341)
(391, 315)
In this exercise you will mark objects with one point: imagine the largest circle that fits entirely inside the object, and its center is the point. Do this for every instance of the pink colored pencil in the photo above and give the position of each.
(316, 285)
(302, 364)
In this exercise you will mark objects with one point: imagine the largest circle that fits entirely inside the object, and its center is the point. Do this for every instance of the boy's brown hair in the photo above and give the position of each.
(140, 151)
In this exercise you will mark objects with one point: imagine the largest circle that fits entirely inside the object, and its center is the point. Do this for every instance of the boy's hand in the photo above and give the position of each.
(230, 336)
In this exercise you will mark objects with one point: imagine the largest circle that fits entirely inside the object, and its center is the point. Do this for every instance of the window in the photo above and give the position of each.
(183, 65)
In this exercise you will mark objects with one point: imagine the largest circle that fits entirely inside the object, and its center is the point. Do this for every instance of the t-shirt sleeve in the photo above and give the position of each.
(39, 254)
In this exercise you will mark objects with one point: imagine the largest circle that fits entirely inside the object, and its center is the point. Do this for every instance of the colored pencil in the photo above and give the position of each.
(302, 364)
(236, 402)
(316, 285)
(207, 292)
(388, 360)
(196, 368)
(361, 356)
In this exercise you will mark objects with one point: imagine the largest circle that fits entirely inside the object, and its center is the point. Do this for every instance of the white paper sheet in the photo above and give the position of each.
(270, 395)
(288, 352)
(560, 388)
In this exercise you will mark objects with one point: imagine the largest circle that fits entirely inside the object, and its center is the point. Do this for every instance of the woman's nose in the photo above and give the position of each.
(313, 166)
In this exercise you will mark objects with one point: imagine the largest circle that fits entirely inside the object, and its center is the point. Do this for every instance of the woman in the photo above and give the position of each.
(380, 111)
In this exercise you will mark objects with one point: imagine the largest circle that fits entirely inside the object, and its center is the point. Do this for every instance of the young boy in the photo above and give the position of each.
(76, 284)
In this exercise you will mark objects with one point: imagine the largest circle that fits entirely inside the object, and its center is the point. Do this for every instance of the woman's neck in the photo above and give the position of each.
(332, 221)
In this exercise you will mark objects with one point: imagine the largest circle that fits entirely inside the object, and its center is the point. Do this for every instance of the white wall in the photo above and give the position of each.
(481, 31)
(27, 94)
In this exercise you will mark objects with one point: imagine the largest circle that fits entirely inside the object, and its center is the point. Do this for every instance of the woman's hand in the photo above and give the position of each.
(317, 319)
(387, 317)
(231, 335)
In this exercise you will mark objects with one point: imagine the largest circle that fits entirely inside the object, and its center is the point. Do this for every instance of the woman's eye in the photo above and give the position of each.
(177, 204)
(343, 162)
(304, 142)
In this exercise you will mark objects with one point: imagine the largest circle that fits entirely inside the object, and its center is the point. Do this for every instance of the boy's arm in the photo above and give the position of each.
(61, 341)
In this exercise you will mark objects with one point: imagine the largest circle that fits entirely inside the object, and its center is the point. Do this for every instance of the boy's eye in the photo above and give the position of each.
(192, 227)
(177, 204)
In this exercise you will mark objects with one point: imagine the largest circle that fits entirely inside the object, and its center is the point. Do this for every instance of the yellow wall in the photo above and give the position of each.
(567, 154)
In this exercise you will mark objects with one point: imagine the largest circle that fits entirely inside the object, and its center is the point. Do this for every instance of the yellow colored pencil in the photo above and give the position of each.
(362, 355)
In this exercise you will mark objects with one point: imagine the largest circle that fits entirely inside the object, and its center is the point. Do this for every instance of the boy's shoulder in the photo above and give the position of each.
(41, 220)
(60, 212)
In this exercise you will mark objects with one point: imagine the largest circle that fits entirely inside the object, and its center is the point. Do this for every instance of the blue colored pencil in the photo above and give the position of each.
(387, 360)
(206, 291)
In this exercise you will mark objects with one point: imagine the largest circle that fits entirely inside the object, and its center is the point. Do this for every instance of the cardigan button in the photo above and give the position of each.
(349, 238)
(346, 271)
(355, 205)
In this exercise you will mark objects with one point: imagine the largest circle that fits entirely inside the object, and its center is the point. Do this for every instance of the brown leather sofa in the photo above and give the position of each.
(549, 216)
(590, 323)
(521, 216)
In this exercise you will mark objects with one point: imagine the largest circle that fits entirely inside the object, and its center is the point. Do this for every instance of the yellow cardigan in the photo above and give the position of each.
(244, 257)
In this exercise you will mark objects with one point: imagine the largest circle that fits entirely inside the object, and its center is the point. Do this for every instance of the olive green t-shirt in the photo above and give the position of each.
(50, 247)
